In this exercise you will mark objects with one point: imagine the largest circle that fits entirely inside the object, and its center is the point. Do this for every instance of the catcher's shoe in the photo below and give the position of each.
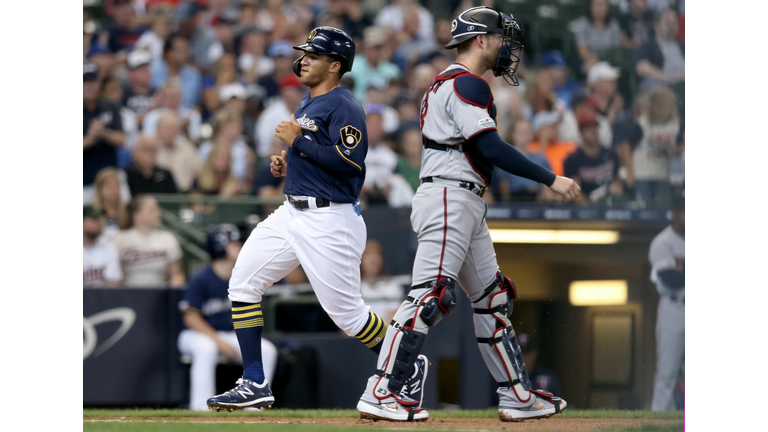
(391, 407)
(414, 385)
(542, 404)
(247, 394)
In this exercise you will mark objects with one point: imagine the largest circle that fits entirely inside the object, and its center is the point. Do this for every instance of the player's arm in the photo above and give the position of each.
(664, 265)
(338, 158)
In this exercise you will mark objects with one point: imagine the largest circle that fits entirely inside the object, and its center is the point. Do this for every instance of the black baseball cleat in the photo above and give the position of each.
(414, 385)
(247, 394)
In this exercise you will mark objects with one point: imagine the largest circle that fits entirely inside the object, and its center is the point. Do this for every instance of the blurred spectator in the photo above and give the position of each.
(636, 22)
(627, 134)
(189, 19)
(569, 124)
(540, 376)
(221, 73)
(209, 332)
(153, 39)
(265, 185)
(138, 94)
(292, 91)
(382, 294)
(123, 32)
(101, 267)
(681, 22)
(371, 66)
(175, 153)
(281, 54)
(677, 168)
(112, 92)
(409, 162)
(216, 177)
(597, 33)
(284, 20)
(651, 159)
(390, 120)
(251, 46)
(149, 257)
(553, 64)
(394, 16)
(216, 10)
(411, 44)
(170, 97)
(174, 65)
(102, 130)
(112, 194)
(350, 14)
(225, 38)
(667, 258)
(602, 80)
(539, 92)
(380, 162)
(509, 187)
(661, 60)
(232, 97)
(593, 167)
(228, 132)
(548, 141)
(246, 13)
(144, 176)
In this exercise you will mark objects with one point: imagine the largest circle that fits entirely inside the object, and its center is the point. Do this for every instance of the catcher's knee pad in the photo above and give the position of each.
(497, 339)
(440, 302)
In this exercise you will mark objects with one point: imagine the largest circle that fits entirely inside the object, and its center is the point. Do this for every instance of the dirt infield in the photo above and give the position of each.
(551, 424)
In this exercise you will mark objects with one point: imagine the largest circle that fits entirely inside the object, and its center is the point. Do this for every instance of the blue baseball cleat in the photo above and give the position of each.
(414, 385)
(247, 394)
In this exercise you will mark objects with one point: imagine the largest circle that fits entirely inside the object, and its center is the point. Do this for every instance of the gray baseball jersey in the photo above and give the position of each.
(667, 252)
(449, 119)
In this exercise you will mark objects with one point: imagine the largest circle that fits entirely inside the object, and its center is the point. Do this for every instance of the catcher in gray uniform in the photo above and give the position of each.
(461, 147)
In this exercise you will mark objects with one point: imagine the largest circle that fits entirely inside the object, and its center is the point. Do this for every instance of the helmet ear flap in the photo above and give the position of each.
(297, 66)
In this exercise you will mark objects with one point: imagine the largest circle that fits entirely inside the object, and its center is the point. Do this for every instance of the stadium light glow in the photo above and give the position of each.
(598, 293)
(554, 236)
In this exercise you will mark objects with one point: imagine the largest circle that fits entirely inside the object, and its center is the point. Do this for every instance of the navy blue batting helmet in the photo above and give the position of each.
(218, 239)
(330, 41)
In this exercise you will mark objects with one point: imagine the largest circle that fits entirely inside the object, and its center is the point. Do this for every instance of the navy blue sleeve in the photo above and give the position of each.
(672, 278)
(330, 157)
(510, 159)
(195, 295)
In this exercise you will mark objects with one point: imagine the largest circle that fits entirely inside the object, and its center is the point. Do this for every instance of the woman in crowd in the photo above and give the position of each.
(108, 200)
(216, 176)
(660, 124)
(382, 294)
(597, 32)
(150, 257)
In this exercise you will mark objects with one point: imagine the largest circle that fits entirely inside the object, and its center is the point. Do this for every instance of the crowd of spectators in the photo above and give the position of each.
(183, 97)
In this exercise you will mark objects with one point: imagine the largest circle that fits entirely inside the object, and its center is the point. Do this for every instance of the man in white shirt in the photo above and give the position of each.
(101, 267)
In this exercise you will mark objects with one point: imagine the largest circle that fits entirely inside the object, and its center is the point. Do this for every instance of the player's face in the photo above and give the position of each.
(314, 69)
(491, 50)
(233, 250)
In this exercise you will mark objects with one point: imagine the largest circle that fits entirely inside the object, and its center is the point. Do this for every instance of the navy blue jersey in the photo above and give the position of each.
(328, 160)
(207, 293)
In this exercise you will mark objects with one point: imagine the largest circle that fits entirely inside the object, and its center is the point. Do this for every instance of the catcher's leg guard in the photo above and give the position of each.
(496, 337)
(424, 307)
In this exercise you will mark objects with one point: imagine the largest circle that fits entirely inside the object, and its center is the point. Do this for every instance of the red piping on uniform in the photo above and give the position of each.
(485, 180)
(385, 366)
(445, 229)
(480, 131)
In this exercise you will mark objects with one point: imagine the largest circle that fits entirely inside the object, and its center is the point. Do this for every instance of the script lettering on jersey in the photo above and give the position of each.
(307, 123)
(93, 275)
(133, 255)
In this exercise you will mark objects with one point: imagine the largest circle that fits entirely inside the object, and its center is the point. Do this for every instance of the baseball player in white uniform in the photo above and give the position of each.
(455, 249)
(667, 257)
(319, 226)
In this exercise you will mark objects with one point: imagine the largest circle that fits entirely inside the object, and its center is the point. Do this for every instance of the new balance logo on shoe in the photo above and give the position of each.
(245, 392)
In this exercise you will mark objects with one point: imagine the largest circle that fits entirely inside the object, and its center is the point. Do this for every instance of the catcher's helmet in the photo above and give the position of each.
(218, 239)
(330, 41)
(482, 20)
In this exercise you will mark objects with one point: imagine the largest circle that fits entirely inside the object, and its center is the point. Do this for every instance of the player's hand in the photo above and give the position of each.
(287, 131)
(279, 166)
(566, 187)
